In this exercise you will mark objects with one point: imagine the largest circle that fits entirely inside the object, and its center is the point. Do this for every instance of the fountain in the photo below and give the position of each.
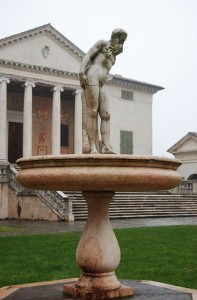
(99, 174)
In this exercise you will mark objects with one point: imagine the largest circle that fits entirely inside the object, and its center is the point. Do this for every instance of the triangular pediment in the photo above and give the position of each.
(42, 46)
(187, 144)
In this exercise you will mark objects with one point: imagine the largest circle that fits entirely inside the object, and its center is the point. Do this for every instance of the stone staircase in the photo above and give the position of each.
(140, 205)
(56, 200)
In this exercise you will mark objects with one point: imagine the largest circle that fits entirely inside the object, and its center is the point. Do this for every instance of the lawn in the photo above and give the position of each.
(165, 254)
(9, 229)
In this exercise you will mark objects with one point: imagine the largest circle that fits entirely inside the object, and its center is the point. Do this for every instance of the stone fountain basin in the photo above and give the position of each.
(98, 173)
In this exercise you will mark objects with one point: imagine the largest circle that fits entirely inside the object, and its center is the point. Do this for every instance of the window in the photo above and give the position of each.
(126, 142)
(126, 95)
(64, 135)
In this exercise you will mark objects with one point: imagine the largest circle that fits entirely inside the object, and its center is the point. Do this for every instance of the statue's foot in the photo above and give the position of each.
(107, 149)
(93, 150)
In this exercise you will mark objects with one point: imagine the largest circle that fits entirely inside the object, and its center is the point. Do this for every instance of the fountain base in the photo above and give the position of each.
(51, 290)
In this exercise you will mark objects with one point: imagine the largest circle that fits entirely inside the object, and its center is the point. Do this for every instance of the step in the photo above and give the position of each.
(140, 205)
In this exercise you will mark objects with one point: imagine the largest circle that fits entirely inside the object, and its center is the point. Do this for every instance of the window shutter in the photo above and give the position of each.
(126, 142)
(126, 95)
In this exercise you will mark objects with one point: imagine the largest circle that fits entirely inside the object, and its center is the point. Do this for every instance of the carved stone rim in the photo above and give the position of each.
(101, 160)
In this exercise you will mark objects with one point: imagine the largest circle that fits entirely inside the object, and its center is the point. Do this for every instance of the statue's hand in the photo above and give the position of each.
(83, 80)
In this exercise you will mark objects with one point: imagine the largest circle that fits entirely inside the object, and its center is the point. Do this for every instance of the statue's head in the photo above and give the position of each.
(120, 34)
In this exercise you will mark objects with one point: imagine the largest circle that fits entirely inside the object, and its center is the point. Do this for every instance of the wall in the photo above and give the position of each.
(187, 169)
(29, 207)
(131, 115)
(189, 163)
(3, 200)
(41, 125)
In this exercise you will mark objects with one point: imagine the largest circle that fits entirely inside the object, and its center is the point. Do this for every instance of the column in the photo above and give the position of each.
(27, 119)
(3, 118)
(56, 119)
(78, 123)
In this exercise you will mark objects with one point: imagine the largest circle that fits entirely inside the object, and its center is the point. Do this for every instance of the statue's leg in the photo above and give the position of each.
(105, 121)
(85, 139)
(92, 101)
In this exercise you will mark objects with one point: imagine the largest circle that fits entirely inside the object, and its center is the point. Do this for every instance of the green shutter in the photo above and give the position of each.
(126, 142)
(126, 95)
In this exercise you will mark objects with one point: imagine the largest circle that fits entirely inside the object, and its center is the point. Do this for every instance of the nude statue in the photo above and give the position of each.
(93, 74)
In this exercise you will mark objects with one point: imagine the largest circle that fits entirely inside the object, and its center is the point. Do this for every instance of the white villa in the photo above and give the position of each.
(41, 114)
(40, 99)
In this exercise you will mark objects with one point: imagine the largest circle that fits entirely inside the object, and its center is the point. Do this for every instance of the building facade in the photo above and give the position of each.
(41, 114)
(40, 99)
(186, 150)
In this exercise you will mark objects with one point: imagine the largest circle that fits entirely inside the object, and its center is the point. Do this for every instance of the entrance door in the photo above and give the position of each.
(15, 141)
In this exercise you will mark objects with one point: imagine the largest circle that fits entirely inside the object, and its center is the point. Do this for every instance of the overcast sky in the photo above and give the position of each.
(161, 48)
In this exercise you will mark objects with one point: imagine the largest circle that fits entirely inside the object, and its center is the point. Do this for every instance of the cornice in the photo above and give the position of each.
(36, 68)
(114, 79)
(45, 29)
(134, 84)
(189, 135)
(44, 82)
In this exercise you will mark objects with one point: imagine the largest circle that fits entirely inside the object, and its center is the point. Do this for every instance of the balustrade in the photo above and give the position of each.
(185, 187)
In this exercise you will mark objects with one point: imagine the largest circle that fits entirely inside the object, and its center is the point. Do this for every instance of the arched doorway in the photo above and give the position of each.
(192, 177)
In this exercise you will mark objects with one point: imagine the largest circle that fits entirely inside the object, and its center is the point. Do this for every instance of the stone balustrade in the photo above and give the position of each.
(186, 187)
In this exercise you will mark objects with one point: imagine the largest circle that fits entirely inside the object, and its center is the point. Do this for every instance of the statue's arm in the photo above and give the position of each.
(86, 62)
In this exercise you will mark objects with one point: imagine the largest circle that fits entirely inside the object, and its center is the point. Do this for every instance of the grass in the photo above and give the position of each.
(165, 254)
(9, 229)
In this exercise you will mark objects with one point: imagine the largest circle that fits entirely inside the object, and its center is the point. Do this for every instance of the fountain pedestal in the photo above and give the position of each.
(98, 253)
(98, 176)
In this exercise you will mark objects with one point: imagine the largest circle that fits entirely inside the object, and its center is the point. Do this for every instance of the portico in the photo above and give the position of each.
(38, 118)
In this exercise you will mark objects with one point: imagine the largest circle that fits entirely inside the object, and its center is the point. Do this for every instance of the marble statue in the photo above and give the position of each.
(93, 74)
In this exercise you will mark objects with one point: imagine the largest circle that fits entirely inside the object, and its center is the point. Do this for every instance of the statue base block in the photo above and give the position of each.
(73, 292)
